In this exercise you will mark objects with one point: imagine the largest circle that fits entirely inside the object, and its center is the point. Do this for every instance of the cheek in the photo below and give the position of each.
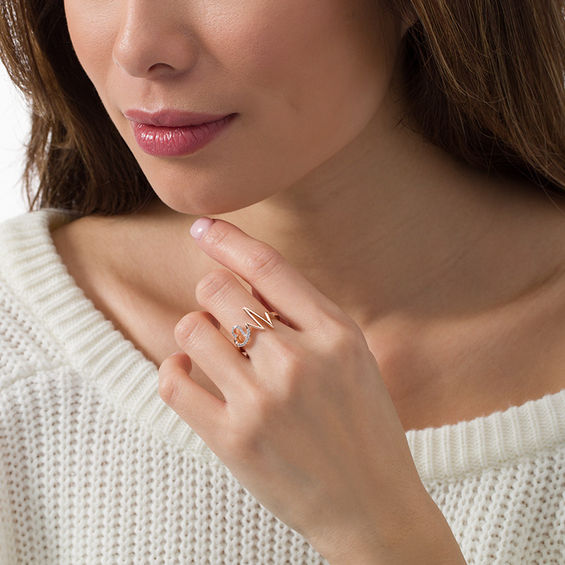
(319, 69)
(91, 33)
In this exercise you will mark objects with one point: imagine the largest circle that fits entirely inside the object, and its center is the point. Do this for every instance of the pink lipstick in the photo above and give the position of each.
(170, 133)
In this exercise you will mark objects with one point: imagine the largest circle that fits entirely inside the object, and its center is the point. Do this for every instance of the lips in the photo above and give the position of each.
(172, 118)
(174, 141)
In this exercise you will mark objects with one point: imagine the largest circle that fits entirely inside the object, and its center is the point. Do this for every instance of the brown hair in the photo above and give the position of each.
(74, 150)
(484, 78)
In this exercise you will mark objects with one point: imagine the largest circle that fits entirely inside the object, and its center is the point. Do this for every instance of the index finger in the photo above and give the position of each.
(287, 290)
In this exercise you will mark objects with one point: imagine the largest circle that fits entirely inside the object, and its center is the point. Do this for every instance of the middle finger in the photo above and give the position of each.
(221, 294)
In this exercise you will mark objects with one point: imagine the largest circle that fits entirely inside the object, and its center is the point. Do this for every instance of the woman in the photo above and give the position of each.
(358, 358)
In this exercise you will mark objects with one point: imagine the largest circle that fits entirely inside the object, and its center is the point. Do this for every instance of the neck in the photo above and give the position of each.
(413, 245)
(400, 228)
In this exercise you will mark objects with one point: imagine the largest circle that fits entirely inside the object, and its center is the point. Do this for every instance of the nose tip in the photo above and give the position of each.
(153, 69)
(150, 45)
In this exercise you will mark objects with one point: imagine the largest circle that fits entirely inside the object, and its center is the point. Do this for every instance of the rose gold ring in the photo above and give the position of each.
(242, 334)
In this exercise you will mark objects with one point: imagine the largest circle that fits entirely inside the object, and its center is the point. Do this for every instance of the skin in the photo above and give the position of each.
(427, 257)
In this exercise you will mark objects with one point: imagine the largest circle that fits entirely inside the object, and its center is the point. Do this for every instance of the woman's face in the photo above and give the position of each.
(306, 77)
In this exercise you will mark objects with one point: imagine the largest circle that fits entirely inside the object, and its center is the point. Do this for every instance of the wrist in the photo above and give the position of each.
(423, 536)
(441, 549)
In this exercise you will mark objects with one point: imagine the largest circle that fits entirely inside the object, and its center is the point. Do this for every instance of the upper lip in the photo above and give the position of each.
(171, 118)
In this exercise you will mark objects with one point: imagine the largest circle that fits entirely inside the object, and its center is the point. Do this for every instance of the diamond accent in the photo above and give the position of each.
(240, 334)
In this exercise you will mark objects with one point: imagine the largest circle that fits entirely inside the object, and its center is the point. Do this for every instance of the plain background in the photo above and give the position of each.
(14, 132)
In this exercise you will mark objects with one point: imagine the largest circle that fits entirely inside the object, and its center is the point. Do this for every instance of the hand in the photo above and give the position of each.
(306, 423)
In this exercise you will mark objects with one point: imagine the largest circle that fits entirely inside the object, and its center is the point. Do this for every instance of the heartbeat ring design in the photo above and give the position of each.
(242, 334)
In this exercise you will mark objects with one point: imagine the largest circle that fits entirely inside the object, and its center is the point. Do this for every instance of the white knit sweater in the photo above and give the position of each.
(95, 468)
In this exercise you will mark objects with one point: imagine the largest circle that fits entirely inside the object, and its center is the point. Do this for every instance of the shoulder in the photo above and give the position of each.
(27, 265)
(24, 240)
(26, 346)
(26, 247)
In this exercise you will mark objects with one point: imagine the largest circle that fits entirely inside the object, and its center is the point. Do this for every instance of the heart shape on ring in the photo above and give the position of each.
(241, 335)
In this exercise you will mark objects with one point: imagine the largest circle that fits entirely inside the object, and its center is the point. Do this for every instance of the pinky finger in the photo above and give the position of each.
(200, 409)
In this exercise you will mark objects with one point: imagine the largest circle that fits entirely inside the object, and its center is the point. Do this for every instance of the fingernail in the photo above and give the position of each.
(200, 227)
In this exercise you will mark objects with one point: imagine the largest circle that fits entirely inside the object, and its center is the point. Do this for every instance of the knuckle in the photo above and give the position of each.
(291, 362)
(214, 285)
(343, 332)
(263, 261)
(345, 336)
(333, 320)
(293, 366)
(339, 338)
(189, 329)
(348, 343)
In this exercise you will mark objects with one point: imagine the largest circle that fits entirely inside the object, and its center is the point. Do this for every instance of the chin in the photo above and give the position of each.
(201, 202)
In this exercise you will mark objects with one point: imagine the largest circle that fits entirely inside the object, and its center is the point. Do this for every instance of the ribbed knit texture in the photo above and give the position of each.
(96, 469)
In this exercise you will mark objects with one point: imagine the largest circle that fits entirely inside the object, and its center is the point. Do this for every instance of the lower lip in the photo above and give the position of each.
(175, 141)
